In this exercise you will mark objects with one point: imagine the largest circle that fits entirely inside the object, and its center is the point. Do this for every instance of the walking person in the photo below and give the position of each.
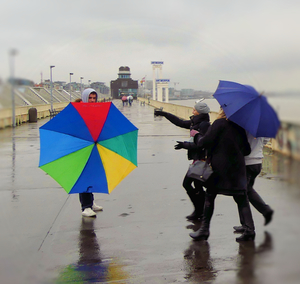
(253, 168)
(124, 100)
(130, 99)
(88, 205)
(227, 144)
(198, 124)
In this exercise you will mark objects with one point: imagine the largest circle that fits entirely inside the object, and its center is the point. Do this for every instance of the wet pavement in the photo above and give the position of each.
(142, 234)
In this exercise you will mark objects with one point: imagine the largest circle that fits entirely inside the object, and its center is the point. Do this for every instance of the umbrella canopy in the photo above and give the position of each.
(243, 105)
(88, 147)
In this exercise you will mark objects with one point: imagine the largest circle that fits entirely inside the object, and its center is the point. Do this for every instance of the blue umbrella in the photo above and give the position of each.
(243, 105)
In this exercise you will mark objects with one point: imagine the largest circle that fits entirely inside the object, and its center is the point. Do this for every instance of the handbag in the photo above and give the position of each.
(200, 170)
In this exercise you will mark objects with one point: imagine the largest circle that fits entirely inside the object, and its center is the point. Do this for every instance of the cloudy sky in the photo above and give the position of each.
(200, 42)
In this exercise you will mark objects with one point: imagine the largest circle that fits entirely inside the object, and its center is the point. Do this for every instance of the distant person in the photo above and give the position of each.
(88, 206)
(253, 168)
(198, 123)
(124, 100)
(227, 144)
(130, 99)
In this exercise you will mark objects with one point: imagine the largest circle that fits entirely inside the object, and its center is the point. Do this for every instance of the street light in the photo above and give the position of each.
(52, 66)
(89, 83)
(12, 53)
(70, 86)
(81, 84)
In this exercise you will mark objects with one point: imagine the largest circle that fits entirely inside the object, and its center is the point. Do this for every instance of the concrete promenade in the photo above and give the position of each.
(142, 234)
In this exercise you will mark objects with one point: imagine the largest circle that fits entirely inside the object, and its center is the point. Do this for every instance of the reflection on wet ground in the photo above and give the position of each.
(280, 167)
(248, 258)
(200, 268)
(198, 263)
(91, 267)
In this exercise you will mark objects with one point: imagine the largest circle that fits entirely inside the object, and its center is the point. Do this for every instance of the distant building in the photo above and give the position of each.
(187, 93)
(73, 86)
(124, 85)
(100, 86)
(56, 85)
(203, 94)
(21, 82)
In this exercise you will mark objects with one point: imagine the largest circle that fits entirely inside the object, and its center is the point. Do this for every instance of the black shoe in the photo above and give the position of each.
(246, 236)
(239, 229)
(194, 216)
(268, 217)
(201, 234)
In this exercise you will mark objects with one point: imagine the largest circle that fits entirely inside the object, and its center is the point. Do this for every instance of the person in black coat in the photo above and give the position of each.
(198, 124)
(227, 144)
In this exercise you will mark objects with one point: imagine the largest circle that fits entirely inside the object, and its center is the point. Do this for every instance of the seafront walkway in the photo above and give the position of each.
(142, 234)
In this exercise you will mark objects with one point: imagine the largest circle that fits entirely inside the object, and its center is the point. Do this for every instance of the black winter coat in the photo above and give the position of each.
(227, 144)
(199, 122)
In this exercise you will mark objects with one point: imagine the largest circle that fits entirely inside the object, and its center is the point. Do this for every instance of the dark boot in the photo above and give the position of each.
(246, 236)
(198, 200)
(203, 232)
(268, 217)
(193, 217)
(245, 213)
(239, 229)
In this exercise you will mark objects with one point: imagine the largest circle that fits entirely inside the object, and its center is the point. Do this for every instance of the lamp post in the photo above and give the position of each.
(12, 53)
(89, 83)
(81, 84)
(70, 87)
(52, 66)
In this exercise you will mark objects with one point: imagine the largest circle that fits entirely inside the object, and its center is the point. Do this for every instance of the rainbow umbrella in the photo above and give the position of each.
(88, 147)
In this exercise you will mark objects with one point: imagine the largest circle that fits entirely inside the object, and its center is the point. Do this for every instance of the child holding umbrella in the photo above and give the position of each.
(88, 205)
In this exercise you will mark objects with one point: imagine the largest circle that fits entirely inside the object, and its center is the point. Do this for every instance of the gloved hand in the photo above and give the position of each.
(158, 112)
(179, 146)
(193, 132)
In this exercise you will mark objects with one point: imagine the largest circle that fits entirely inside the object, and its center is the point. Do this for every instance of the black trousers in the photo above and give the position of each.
(86, 200)
(196, 193)
(254, 198)
(187, 184)
(243, 209)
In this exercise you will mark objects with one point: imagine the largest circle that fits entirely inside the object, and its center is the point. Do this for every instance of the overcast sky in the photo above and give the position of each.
(200, 42)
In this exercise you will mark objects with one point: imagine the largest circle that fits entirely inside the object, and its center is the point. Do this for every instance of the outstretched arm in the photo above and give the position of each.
(174, 119)
(185, 145)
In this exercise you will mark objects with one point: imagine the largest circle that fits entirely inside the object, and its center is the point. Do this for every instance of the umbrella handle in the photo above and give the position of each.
(87, 190)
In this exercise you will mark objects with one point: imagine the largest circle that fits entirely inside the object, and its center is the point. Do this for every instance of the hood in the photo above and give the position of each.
(85, 94)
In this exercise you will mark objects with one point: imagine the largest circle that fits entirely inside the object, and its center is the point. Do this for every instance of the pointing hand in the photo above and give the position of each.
(179, 145)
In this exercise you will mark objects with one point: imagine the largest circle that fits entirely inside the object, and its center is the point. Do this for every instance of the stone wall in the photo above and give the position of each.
(22, 113)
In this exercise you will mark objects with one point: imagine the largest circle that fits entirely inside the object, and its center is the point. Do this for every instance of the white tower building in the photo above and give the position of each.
(160, 90)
